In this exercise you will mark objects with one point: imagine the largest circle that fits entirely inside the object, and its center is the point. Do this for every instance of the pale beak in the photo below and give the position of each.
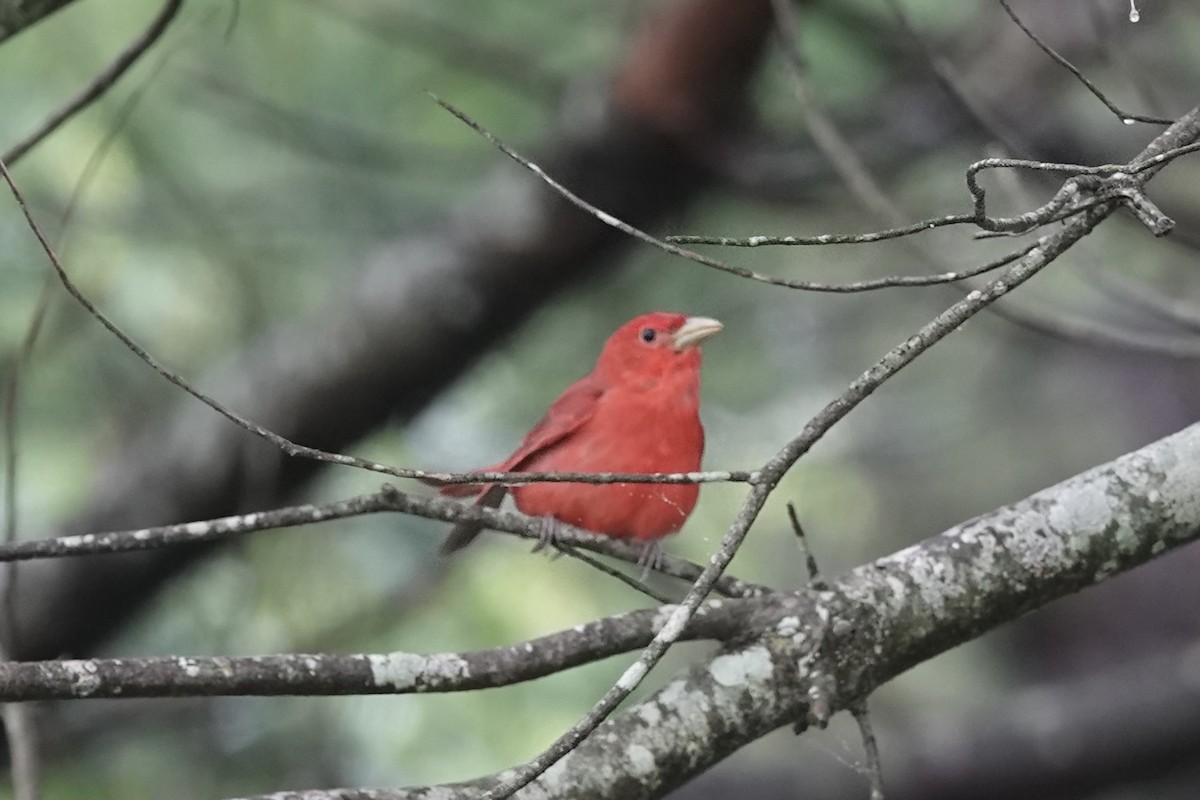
(694, 331)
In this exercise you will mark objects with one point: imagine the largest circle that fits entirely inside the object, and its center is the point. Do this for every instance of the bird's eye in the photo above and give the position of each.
(648, 335)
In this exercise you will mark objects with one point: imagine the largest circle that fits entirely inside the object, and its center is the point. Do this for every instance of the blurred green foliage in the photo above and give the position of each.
(264, 151)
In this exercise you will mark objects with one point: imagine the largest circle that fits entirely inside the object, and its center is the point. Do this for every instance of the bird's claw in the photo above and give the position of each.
(651, 559)
(548, 534)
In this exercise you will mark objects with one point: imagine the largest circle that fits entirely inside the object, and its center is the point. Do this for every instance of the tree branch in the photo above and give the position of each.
(388, 499)
(387, 673)
(98, 85)
(878, 621)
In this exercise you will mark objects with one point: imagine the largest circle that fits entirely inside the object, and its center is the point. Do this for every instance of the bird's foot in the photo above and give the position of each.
(548, 534)
(651, 559)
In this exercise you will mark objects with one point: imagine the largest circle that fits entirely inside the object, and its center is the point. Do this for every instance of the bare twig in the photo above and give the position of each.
(100, 84)
(828, 238)
(871, 284)
(522, 478)
(691, 255)
(815, 580)
(1158, 159)
(24, 352)
(388, 499)
(870, 749)
(1067, 65)
(1119, 56)
(1067, 203)
(360, 674)
(600, 566)
(1107, 180)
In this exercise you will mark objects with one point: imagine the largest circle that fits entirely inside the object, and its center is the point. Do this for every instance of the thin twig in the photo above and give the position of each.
(1060, 207)
(387, 499)
(1067, 65)
(1160, 159)
(1154, 157)
(938, 279)
(628, 580)
(815, 580)
(691, 255)
(870, 749)
(523, 478)
(100, 84)
(828, 238)
(1119, 57)
(1065, 200)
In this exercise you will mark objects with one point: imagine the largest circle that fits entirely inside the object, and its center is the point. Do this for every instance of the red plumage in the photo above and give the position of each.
(636, 412)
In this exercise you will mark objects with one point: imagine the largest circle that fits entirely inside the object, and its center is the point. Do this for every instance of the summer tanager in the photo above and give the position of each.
(637, 411)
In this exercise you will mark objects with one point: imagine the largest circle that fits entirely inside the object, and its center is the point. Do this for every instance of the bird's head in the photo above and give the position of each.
(655, 344)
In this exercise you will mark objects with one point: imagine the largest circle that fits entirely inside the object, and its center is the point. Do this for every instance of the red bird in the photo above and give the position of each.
(637, 411)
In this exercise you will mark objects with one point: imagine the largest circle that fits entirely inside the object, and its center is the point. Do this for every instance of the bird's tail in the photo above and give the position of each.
(459, 489)
(463, 533)
(453, 489)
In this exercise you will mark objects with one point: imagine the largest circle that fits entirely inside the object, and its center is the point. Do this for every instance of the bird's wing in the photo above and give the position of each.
(574, 407)
(571, 410)
(463, 533)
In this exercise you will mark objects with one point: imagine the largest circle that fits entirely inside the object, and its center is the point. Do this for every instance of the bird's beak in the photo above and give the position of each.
(694, 331)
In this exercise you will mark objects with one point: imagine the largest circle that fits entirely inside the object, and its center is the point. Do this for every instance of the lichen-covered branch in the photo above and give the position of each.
(338, 674)
(835, 646)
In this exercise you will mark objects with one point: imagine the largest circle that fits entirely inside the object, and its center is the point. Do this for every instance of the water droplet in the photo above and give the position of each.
(1134, 14)
(1128, 120)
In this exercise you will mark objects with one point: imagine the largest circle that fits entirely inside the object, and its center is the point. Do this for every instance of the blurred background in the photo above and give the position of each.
(272, 205)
